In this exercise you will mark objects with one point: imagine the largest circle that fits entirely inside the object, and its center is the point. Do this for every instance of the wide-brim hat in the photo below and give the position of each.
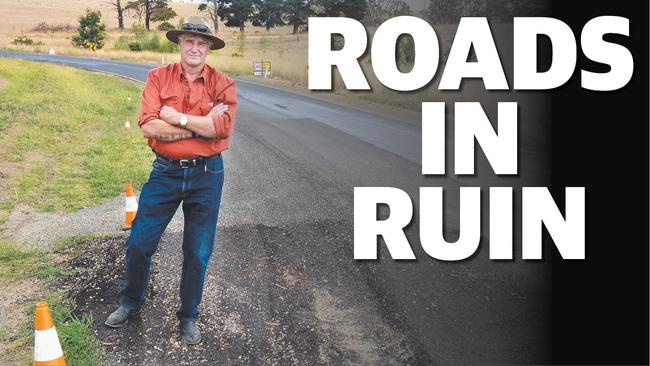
(190, 27)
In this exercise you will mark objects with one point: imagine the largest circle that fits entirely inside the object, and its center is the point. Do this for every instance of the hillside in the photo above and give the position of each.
(24, 14)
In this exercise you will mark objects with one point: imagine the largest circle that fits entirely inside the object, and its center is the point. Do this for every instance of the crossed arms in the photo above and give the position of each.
(166, 127)
(161, 122)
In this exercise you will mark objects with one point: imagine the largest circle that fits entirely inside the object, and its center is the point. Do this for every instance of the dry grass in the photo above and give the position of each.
(287, 52)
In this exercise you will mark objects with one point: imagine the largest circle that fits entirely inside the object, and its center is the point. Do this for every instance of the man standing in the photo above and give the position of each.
(188, 112)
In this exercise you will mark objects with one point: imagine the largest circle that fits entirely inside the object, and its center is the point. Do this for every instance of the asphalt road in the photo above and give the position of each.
(283, 287)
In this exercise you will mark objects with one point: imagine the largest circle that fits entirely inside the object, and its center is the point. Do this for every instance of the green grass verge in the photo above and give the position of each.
(80, 347)
(62, 136)
(64, 147)
(19, 264)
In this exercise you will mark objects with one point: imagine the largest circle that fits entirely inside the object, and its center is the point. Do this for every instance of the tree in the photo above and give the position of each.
(161, 12)
(151, 10)
(443, 11)
(119, 9)
(147, 13)
(296, 13)
(213, 7)
(91, 33)
(268, 13)
(237, 13)
(341, 8)
(136, 9)
(381, 10)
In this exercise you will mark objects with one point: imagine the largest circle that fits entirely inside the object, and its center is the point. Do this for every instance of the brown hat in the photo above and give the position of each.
(198, 26)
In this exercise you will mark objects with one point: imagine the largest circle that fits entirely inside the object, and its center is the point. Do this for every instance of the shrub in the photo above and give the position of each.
(122, 43)
(140, 31)
(167, 46)
(152, 43)
(25, 40)
(144, 41)
(166, 26)
(44, 27)
(91, 31)
(135, 46)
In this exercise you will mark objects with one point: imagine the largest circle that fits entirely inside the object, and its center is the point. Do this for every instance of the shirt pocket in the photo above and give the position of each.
(170, 99)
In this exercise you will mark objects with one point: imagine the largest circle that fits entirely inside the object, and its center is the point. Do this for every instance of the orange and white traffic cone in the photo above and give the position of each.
(47, 349)
(127, 124)
(131, 207)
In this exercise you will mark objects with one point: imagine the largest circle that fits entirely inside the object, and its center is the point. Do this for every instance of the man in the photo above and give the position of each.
(188, 112)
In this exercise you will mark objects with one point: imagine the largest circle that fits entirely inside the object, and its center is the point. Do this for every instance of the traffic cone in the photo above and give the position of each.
(127, 124)
(47, 349)
(131, 207)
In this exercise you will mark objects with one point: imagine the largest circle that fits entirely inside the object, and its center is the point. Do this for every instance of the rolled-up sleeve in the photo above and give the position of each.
(150, 105)
(225, 123)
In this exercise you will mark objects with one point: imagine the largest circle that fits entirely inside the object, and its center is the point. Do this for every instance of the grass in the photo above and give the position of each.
(19, 264)
(63, 136)
(286, 52)
(70, 245)
(64, 147)
(79, 345)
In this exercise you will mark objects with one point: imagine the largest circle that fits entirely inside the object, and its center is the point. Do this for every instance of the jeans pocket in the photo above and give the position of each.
(214, 166)
(160, 165)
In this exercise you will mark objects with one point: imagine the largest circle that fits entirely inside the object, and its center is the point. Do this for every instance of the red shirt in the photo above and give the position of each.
(167, 85)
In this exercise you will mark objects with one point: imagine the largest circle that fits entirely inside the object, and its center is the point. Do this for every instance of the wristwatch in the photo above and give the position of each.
(183, 121)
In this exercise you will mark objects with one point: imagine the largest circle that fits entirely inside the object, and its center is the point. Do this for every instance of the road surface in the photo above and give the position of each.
(283, 287)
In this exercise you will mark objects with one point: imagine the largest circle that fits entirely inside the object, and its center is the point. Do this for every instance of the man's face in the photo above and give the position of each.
(194, 49)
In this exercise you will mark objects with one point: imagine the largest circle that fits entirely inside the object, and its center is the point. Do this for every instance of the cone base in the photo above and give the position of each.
(57, 362)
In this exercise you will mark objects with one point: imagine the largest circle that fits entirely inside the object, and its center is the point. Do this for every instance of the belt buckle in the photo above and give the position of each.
(186, 163)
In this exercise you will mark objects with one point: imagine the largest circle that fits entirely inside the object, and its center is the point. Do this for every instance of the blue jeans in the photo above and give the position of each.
(199, 189)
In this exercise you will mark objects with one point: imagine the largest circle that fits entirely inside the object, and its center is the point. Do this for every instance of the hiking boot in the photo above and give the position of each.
(120, 317)
(190, 333)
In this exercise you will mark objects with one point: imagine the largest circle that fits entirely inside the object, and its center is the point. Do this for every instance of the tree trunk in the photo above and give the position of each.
(120, 14)
(147, 13)
(295, 27)
(241, 28)
(215, 17)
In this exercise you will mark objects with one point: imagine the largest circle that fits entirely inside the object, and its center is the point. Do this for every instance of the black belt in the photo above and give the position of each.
(187, 162)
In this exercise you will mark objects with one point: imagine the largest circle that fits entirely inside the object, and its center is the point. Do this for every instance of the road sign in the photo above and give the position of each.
(262, 68)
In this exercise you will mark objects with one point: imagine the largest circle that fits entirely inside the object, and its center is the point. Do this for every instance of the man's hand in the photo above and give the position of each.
(170, 115)
(201, 125)
(218, 110)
